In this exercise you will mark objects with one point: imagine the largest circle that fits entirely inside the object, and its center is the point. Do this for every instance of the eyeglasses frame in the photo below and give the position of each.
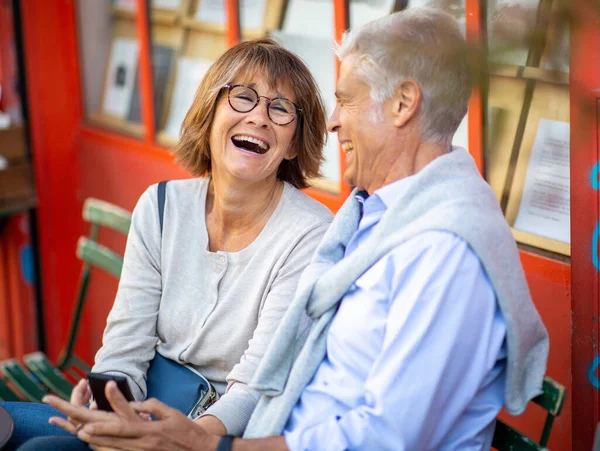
(258, 97)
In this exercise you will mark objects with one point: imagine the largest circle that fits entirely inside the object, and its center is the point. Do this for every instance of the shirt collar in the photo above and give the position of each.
(388, 194)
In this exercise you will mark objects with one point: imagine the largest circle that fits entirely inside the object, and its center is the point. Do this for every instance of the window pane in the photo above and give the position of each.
(528, 142)
(186, 39)
(109, 51)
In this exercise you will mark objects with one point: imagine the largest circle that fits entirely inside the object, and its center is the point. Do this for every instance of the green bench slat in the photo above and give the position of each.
(108, 215)
(99, 255)
(39, 365)
(23, 380)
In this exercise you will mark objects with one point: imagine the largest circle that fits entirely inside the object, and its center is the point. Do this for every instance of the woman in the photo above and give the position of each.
(235, 239)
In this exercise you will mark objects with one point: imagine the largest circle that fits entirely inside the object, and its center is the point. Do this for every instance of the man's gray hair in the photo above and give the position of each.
(421, 44)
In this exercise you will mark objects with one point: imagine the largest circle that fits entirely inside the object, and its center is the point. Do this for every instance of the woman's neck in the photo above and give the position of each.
(236, 212)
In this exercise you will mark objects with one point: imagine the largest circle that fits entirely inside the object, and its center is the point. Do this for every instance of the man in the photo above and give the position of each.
(420, 325)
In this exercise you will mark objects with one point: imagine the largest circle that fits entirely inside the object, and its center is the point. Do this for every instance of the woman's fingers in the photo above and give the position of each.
(81, 393)
(64, 424)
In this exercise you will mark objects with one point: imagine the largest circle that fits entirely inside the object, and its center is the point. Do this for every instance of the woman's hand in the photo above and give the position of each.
(80, 397)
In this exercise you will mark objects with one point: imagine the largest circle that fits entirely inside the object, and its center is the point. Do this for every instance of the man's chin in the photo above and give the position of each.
(349, 180)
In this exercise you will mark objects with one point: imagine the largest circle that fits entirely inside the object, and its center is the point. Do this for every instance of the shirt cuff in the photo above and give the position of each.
(234, 408)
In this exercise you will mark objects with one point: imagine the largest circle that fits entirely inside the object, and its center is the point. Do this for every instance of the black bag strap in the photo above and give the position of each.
(161, 194)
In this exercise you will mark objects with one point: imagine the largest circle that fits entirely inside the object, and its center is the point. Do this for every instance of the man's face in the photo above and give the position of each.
(363, 140)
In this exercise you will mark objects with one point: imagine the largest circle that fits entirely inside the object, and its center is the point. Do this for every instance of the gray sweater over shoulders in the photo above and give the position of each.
(447, 194)
(215, 310)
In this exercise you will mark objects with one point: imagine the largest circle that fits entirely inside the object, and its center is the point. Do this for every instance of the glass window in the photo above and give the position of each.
(307, 29)
(528, 144)
(184, 47)
(109, 50)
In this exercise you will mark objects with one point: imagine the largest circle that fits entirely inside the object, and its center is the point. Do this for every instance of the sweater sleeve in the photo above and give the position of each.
(130, 336)
(235, 407)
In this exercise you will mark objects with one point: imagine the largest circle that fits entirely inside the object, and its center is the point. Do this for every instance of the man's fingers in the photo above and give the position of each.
(154, 407)
(78, 414)
(118, 402)
(100, 442)
(117, 429)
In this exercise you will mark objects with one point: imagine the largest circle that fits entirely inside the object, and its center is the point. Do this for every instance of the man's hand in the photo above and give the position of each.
(125, 429)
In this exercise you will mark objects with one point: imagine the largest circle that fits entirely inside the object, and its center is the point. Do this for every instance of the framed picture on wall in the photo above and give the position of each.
(120, 77)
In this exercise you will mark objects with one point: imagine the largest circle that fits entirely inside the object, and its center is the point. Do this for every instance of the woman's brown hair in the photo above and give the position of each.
(280, 66)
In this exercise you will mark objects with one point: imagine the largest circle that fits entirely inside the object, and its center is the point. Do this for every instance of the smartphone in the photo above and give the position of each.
(97, 383)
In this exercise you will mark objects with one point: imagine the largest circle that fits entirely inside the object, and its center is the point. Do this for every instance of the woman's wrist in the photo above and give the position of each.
(211, 424)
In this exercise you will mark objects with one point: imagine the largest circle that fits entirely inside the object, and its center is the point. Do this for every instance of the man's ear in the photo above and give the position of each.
(406, 102)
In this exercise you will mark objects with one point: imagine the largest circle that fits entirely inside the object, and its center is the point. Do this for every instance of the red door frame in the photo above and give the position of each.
(585, 210)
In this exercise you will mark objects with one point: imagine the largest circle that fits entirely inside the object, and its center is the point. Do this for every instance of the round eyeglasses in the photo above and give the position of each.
(244, 99)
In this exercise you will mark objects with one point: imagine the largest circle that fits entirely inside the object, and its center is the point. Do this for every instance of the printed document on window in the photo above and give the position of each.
(545, 206)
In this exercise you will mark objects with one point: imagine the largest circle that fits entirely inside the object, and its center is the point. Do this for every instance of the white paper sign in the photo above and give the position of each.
(318, 55)
(189, 75)
(166, 4)
(121, 77)
(545, 205)
(252, 12)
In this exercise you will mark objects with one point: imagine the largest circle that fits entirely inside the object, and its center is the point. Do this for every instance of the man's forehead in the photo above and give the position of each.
(347, 83)
(348, 65)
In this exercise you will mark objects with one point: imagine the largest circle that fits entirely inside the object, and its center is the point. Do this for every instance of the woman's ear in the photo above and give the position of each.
(291, 153)
(406, 102)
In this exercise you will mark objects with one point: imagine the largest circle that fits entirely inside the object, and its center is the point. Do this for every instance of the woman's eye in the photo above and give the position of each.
(279, 109)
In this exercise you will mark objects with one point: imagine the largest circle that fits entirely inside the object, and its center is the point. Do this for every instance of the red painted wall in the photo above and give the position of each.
(17, 298)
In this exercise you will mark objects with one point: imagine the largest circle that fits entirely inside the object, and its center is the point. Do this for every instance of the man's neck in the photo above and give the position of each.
(410, 158)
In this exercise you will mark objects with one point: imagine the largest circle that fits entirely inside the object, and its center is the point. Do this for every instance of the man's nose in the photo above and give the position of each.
(333, 124)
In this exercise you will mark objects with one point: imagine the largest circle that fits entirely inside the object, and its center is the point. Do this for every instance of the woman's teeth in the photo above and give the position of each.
(250, 143)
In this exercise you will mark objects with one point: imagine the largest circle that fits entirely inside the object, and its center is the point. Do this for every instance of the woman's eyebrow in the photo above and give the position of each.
(255, 87)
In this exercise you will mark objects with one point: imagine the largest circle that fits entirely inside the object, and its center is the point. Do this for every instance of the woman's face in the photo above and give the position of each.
(249, 146)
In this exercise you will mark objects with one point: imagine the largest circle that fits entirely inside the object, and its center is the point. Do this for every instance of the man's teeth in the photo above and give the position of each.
(259, 142)
(347, 147)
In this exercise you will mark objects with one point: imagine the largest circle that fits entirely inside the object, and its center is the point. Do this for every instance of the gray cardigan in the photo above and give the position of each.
(214, 310)
(448, 194)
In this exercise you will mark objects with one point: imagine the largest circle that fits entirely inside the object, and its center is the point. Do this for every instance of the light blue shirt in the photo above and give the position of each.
(416, 353)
